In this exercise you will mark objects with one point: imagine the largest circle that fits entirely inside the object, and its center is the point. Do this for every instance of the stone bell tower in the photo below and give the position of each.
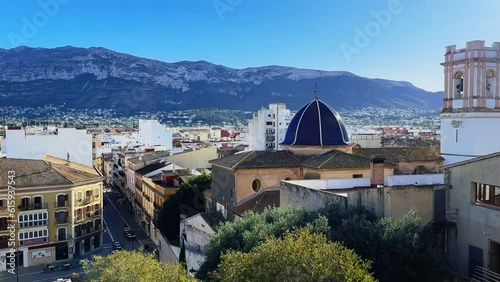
(470, 119)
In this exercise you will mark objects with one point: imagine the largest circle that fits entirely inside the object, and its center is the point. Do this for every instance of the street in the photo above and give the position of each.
(115, 218)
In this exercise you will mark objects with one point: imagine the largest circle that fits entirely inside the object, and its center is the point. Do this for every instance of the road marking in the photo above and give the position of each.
(107, 228)
(57, 277)
(111, 202)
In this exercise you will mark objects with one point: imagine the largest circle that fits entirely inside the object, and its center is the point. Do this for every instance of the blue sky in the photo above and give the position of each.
(406, 41)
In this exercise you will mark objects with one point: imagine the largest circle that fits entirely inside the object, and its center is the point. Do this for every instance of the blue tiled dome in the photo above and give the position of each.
(316, 124)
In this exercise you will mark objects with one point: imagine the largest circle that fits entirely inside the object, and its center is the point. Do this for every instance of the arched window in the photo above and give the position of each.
(490, 84)
(458, 85)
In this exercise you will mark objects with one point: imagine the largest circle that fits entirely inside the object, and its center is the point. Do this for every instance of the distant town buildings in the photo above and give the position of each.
(267, 128)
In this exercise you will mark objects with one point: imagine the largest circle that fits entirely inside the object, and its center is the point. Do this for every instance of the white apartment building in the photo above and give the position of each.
(268, 127)
(34, 144)
(154, 134)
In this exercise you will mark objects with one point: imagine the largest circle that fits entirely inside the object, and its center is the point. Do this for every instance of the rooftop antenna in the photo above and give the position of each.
(316, 92)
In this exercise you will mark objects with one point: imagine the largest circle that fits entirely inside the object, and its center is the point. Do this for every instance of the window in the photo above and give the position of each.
(3, 203)
(458, 82)
(25, 203)
(3, 223)
(96, 192)
(486, 194)
(33, 235)
(79, 196)
(61, 217)
(357, 176)
(62, 200)
(490, 84)
(31, 220)
(269, 123)
(61, 234)
(256, 185)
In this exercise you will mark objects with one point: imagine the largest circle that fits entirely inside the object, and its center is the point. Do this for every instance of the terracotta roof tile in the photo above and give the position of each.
(259, 201)
(402, 154)
(37, 173)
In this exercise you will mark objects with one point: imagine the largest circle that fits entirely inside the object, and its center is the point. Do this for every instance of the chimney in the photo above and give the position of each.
(67, 158)
(377, 170)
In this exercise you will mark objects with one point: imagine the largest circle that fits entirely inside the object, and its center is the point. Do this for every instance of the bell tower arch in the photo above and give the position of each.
(470, 118)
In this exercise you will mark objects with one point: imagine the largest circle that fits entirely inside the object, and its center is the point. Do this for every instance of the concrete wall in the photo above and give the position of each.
(345, 183)
(341, 173)
(396, 201)
(223, 188)
(367, 140)
(168, 254)
(418, 179)
(198, 235)
(42, 256)
(393, 202)
(296, 196)
(195, 159)
(67, 140)
(477, 224)
(460, 132)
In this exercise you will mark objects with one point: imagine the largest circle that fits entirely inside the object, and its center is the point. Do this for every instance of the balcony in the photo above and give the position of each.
(147, 198)
(87, 231)
(62, 238)
(35, 241)
(33, 206)
(61, 204)
(62, 220)
(85, 201)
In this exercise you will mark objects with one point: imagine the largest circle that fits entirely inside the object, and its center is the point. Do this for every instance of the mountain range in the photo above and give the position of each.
(100, 78)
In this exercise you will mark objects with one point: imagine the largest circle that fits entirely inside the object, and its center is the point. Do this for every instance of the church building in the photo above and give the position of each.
(316, 146)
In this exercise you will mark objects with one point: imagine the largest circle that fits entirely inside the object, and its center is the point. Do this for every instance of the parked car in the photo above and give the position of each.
(117, 246)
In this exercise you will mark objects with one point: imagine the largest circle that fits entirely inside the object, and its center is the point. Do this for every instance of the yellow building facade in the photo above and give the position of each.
(50, 210)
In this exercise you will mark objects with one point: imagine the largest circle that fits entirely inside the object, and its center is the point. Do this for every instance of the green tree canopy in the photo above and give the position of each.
(298, 256)
(127, 266)
(253, 229)
(398, 248)
(187, 200)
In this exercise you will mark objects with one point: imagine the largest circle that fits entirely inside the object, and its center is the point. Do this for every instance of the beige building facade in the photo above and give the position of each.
(474, 190)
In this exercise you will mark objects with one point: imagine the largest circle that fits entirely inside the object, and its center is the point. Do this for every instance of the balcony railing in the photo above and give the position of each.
(33, 206)
(87, 231)
(31, 224)
(87, 216)
(62, 220)
(85, 201)
(61, 238)
(35, 241)
(61, 204)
